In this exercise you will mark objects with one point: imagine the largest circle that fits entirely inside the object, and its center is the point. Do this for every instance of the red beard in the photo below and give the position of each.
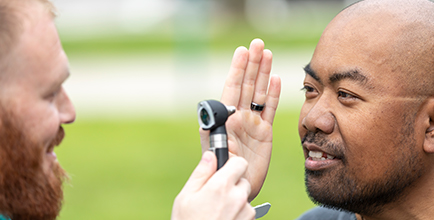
(26, 192)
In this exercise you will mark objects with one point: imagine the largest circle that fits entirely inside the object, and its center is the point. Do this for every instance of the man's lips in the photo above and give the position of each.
(317, 158)
(50, 148)
(55, 142)
(52, 155)
(50, 152)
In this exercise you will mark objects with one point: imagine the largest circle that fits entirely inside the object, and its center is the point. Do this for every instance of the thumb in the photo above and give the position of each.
(201, 174)
(204, 139)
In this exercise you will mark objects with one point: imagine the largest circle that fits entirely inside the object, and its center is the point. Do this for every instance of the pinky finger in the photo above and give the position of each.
(272, 99)
(245, 185)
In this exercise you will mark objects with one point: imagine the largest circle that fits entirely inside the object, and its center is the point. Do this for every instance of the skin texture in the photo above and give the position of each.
(34, 106)
(369, 103)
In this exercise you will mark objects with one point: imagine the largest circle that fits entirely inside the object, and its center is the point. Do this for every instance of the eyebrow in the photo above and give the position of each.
(311, 73)
(353, 75)
(61, 79)
(68, 73)
(65, 75)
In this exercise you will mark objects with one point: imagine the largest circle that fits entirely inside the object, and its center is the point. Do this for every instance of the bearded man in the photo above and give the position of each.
(367, 123)
(34, 105)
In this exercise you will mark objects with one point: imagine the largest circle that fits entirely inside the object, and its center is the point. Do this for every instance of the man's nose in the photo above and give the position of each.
(320, 118)
(66, 109)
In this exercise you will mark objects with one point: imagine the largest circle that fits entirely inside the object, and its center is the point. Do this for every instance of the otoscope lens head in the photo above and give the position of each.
(204, 116)
(213, 114)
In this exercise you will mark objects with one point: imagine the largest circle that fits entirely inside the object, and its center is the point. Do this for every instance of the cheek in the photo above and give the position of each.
(40, 122)
(373, 141)
(371, 126)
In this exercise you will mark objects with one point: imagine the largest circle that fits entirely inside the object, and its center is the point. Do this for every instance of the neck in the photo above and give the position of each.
(417, 202)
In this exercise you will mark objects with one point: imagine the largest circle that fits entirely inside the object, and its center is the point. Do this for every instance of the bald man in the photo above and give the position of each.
(367, 124)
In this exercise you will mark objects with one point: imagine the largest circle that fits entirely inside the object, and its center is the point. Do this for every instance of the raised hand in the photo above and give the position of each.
(215, 195)
(249, 131)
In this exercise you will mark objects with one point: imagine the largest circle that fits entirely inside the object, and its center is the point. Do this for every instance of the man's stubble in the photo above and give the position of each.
(343, 190)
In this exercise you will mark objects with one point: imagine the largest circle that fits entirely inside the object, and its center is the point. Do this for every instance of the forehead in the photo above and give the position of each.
(356, 44)
(38, 54)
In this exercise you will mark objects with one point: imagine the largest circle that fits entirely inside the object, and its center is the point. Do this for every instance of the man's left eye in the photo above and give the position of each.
(345, 95)
(52, 95)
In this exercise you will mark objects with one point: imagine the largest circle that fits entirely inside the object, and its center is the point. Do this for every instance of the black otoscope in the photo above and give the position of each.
(212, 116)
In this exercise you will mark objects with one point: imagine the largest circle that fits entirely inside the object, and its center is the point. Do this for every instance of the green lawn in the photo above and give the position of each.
(134, 169)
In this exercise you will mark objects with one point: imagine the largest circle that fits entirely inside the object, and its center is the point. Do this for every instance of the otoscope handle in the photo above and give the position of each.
(222, 156)
(219, 144)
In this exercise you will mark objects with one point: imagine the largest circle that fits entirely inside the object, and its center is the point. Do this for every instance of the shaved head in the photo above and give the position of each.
(397, 33)
(407, 27)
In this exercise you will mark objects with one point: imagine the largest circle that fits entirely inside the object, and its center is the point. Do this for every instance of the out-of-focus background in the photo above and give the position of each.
(139, 68)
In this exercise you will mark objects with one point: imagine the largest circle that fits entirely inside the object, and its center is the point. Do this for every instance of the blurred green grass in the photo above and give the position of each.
(125, 169)
(167, 43)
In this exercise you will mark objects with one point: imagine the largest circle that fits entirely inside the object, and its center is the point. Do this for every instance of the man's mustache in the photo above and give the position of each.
(317, 138)
(59, 137)
(322, 141)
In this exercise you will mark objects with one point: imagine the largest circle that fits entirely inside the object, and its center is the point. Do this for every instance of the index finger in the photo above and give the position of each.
(232, 88)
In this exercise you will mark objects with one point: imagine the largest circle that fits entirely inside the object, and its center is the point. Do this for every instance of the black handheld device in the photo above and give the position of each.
(213, 116)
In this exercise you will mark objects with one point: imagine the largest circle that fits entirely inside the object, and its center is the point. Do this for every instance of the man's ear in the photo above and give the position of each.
(428, 144)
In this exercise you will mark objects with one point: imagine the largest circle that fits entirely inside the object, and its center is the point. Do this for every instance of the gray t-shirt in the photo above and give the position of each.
(321, 213)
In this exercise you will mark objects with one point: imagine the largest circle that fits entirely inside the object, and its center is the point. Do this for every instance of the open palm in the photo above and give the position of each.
(250, 132)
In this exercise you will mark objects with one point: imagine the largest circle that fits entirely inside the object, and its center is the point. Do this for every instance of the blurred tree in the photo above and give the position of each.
(236, 8)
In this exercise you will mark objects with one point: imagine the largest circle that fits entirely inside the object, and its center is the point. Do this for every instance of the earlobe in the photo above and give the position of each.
(428, 144)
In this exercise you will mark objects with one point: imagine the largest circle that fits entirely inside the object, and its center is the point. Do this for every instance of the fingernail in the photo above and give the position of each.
(207, 156)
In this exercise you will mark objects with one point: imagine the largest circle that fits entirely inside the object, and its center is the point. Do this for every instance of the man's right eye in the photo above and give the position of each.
(309, 91)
